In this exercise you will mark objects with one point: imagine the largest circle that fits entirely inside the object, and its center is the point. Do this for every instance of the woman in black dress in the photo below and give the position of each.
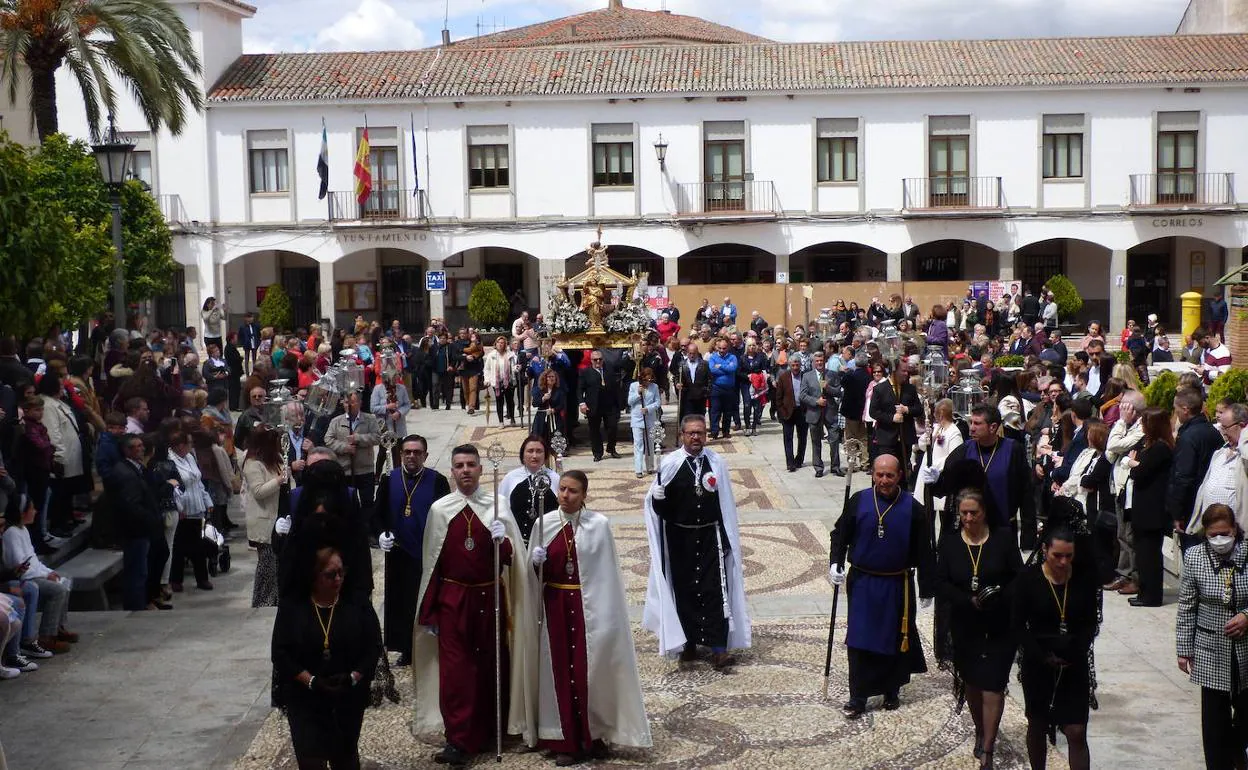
(1054, 619)
(1147, 492)
(325, 650)
(548, 406)
(975, 570)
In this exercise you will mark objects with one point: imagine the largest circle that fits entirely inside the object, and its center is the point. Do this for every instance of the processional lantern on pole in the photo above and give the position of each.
(279, 417)
(824, 323)
(935, 372)
(559, 445)
(353, 373)
(890, 343)
(325, 392)
(967, 394)
(389, 376)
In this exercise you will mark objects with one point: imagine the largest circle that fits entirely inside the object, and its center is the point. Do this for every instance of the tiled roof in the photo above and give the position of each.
(736, 69)
(613, 25)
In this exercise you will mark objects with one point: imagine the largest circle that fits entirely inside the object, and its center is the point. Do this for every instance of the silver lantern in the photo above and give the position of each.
(968, 393)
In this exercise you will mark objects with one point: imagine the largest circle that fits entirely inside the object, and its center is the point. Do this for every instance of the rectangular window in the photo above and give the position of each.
(613, 154)
(269, 162)
(1177, 141)
(1063, 146)
(489, 163)
(836, 150)
(269, 171)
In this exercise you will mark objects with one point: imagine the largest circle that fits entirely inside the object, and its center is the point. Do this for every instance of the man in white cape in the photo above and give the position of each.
(589, 691)
(453, 648)
(696, 591)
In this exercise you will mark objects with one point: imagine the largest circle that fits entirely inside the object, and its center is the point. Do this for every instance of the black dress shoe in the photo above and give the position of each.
(614, 454)
(838, 472)
(405, 659)
(598, 459)
(892, 702)
(452, 756)
(854, 708)
(689, 654)
(722, 660)
(819, 473)
(792, 468)
(1136, 601)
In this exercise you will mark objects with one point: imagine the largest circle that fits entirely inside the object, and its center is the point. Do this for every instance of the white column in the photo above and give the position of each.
(893, 268)
(328, 295)
(1234, 258)
(1117, 289)
(437, 299)
(782, 266)
(671, 268)
(1005, 266)
(549, 272)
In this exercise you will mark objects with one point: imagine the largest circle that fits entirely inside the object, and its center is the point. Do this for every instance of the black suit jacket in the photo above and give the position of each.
(695, 388)
(855, 382)
(1021, 501)
(883, 406)
(135, 508)
(599, 392)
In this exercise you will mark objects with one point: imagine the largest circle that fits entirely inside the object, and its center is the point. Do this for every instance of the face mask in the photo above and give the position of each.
(1222, 544)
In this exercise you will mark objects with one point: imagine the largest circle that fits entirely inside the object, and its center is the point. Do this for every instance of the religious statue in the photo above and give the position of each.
(593, 302)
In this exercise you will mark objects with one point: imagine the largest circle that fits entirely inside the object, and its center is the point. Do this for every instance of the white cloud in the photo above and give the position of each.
(373, 26)
(298, 25)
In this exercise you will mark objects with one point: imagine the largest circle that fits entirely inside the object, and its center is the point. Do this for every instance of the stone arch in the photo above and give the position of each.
(726, 263)
(837, 262)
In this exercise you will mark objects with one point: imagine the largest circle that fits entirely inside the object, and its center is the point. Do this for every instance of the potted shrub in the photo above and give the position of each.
(1231, 384)
(1069, 303)
(276, 310)
(487, 307)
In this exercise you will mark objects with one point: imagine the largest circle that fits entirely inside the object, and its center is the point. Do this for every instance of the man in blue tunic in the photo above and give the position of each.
(884, 532)
(403, 500)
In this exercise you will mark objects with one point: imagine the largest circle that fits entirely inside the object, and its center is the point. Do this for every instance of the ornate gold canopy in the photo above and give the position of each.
(598, 290)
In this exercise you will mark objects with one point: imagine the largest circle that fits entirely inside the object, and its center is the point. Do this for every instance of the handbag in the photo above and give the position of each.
(1107, 520)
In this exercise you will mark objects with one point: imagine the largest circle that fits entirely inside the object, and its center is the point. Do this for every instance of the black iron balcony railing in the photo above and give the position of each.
(1183, 188)
(952, 192)
(727, 198)
(392, 205)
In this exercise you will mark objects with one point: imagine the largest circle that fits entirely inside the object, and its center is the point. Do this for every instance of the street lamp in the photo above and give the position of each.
(113, 157)
(660, 149)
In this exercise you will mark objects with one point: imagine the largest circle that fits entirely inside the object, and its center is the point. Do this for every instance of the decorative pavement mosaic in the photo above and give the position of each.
(768, 713)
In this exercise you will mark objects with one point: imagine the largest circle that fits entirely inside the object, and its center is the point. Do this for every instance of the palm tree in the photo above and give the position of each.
(140, 44)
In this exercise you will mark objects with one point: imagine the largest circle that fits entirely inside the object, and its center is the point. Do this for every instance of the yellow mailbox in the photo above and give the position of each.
(1191, 311)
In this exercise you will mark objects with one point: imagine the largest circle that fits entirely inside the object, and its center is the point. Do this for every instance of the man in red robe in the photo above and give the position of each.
(454, 647)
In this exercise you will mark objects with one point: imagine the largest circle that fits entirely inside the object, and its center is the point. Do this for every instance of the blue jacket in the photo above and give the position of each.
(107, 455)
(723, 370)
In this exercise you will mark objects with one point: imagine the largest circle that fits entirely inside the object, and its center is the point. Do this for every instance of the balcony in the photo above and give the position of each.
(727, 199)
(379, 206)
(172, 209)
(1183, 189)
(952, 192)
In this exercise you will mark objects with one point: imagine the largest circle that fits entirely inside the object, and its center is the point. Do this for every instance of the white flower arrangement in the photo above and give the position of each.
(566, 318)
(628, 319)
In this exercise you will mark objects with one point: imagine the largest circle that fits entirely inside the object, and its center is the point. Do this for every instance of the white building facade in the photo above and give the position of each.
(1113, 161)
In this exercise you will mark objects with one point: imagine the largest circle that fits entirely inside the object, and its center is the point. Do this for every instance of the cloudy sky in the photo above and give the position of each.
(359, 25)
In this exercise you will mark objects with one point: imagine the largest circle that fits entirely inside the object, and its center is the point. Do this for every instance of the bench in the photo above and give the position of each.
(90, 571)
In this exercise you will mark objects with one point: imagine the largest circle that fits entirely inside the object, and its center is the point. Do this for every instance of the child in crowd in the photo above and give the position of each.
(758, 399)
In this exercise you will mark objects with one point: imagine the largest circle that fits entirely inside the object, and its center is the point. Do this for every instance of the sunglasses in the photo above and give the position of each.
(333, 574)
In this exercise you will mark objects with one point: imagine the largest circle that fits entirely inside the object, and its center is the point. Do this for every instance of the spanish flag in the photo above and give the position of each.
(363, 177)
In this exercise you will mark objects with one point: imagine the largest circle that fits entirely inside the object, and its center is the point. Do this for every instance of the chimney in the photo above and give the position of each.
(446, 37)
(615, 5)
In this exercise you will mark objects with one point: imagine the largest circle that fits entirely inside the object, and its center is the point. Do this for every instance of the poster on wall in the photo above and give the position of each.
(656, 300)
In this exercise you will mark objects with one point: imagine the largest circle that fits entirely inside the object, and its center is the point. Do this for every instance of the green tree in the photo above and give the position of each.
(68, 171)
(487, 307)
(142, 44)
(56, 268)
(276, 310)
(1069, 303)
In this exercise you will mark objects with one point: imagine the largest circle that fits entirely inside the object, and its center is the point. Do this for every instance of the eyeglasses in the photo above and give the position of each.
(333, 574)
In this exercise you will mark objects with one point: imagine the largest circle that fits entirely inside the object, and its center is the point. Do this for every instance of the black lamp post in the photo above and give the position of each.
(113, 157)
(660, 149)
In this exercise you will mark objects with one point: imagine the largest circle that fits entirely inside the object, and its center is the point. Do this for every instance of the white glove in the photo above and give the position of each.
(925, 604)
(498, 530)
(386, 541)
(282, 527)
(929, 474)
(836, 575)
(538, 556)
(659, 493)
